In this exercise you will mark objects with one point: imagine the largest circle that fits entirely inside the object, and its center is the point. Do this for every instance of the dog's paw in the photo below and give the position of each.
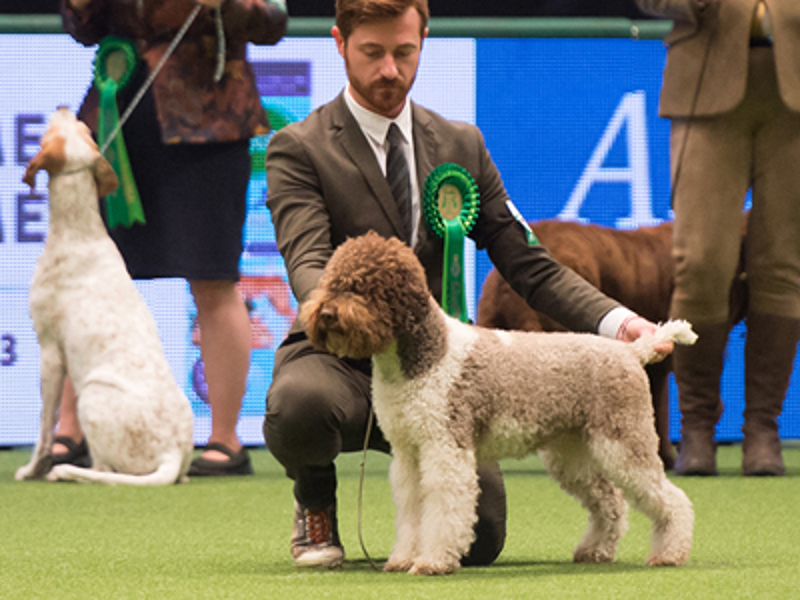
(675, 559)
(433, 567)
(592, 555)
(397, 564)
(25, 472)
(34, 469)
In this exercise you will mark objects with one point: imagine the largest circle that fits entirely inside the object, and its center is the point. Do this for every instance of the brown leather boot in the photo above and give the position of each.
(698, 369)
(769, 359)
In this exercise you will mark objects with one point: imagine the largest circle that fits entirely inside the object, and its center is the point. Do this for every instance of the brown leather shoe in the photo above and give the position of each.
(315, 538)
(697, 454)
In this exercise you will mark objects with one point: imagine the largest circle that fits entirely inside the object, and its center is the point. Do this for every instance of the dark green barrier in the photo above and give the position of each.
(478, 27)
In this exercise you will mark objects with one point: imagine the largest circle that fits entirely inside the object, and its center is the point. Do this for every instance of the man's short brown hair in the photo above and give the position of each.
(352, 13)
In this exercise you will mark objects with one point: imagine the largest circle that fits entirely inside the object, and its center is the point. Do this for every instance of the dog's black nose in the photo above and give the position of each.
(328, 316)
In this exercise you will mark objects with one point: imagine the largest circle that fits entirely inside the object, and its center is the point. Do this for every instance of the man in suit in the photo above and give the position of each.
(326, 182)
(732, 90)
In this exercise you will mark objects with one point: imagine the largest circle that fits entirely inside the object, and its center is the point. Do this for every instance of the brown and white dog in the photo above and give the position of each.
(449, 396)
(634, 267)
(93, 326)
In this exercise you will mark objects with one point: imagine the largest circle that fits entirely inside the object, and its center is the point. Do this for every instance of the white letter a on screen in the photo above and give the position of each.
(631, 112)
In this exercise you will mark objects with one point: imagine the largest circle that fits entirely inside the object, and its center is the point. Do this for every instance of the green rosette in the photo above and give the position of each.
(450, 205)
(114, 65)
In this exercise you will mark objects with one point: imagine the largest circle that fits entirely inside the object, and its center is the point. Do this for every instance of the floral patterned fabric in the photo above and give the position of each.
(191, 107)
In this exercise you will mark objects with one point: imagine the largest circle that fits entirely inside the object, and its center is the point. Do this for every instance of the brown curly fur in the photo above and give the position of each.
(361, 306)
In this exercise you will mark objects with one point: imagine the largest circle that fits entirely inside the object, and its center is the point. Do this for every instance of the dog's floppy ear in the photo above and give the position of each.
(34, 166)
(105, 177)
(51, 158)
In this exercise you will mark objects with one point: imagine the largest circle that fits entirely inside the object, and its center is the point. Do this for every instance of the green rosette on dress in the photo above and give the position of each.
(450, 204)
(114, 65)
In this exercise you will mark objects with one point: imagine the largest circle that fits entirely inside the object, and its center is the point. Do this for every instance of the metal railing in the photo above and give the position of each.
(477, 27)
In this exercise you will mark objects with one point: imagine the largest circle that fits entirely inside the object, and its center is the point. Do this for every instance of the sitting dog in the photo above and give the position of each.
(634, 267)
(93, 326)
(449, 395)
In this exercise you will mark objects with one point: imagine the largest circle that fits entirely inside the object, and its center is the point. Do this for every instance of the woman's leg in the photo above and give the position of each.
(225, 344)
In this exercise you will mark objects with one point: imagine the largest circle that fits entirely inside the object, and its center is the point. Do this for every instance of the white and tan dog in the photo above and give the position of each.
(450, 395)
(93, 326)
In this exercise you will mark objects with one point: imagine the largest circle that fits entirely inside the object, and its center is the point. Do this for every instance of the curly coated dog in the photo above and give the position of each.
(93, 325)
(449, 395)
(634, 267)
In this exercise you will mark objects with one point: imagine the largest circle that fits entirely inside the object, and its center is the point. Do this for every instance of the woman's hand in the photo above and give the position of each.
(78, 5)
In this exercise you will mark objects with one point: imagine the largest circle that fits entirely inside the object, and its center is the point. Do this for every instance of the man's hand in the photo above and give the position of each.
(635, 327)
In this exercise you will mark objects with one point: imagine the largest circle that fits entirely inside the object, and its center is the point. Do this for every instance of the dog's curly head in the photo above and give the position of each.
(372, 290)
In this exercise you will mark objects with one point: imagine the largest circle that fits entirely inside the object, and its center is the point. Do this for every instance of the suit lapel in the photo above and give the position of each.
(425, 149)
(357, 147)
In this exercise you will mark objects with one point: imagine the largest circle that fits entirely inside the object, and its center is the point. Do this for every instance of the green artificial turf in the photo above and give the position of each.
(229, 538)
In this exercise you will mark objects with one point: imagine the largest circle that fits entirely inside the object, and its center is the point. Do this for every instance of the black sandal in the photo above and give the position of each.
(77, 453)
(239, 463)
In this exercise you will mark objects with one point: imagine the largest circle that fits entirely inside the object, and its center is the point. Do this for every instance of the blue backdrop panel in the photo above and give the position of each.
(573, 126)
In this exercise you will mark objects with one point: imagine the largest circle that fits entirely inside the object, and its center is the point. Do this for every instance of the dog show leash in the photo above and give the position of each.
(362, 466)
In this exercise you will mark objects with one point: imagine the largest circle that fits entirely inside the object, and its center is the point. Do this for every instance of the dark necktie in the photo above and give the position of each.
(397, 174)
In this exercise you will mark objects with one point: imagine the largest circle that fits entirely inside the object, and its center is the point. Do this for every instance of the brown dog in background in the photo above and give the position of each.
(634, 267)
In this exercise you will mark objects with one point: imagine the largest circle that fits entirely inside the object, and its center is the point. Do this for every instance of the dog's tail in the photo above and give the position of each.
(168, 472)
(679, 332)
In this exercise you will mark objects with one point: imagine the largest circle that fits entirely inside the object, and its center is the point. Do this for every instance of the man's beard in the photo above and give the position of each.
(384, 96)
(387, 94)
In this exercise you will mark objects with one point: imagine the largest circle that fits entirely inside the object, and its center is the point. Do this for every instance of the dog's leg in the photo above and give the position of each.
(404, 476)
(571, 464)
(673, 521)
(641, 477)
(449, 491)
(53, 374)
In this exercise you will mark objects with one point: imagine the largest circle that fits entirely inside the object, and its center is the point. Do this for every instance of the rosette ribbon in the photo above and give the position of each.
(450, 204)
(114, 65)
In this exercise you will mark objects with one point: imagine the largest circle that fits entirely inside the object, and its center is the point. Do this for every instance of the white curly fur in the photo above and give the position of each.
(93, 325)
(450, 395)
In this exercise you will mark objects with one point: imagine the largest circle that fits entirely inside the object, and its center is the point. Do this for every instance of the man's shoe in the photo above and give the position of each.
(315, 538)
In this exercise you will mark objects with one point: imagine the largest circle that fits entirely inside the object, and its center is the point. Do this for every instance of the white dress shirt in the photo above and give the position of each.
(375, 128)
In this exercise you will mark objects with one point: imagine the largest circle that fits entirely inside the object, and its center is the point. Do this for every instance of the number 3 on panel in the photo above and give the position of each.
(8, 355)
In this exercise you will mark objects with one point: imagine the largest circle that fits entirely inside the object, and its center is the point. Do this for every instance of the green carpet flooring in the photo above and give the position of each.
(229, 538)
